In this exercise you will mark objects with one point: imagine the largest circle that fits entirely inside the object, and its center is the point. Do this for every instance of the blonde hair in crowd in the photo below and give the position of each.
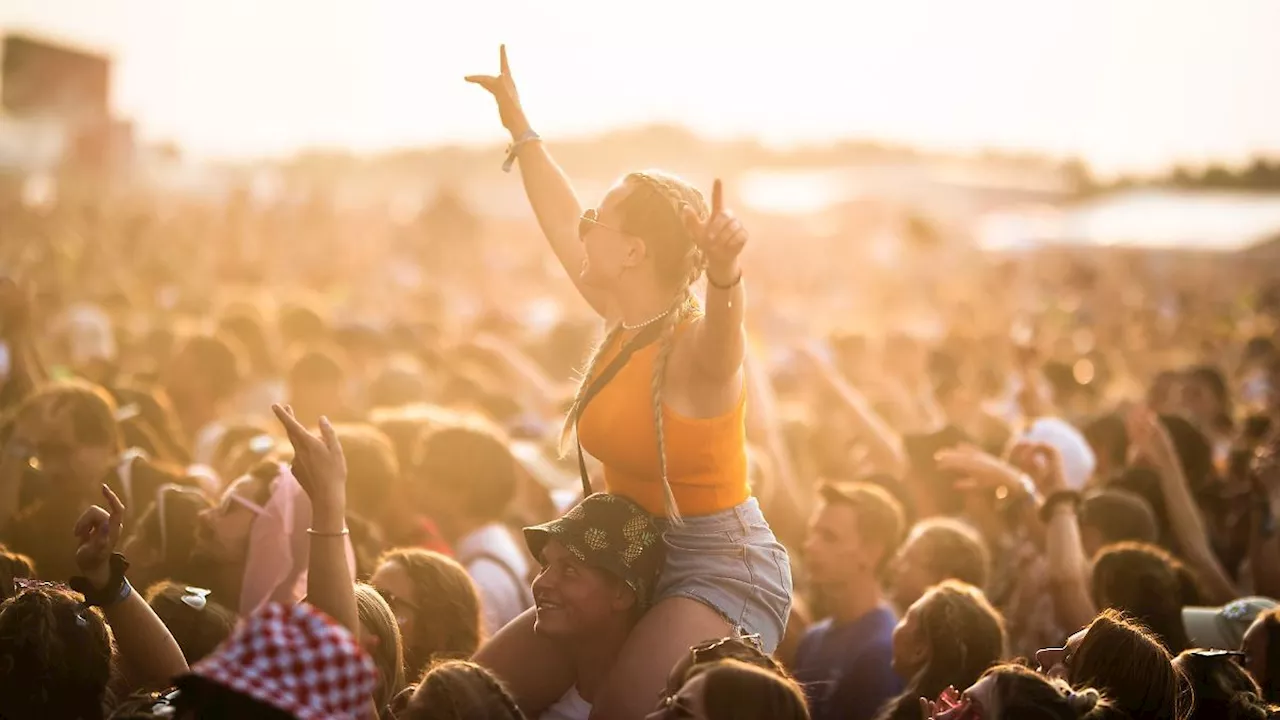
(654, 211)
(377, 618)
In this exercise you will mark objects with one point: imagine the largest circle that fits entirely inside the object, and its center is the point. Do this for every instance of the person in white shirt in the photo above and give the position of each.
(600, 563)
(467, 479)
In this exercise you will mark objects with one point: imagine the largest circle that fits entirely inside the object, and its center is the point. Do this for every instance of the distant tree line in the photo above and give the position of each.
(1260, 175)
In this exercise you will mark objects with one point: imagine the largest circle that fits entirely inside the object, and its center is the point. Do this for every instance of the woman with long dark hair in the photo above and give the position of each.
(947, 638)
(1126, 662)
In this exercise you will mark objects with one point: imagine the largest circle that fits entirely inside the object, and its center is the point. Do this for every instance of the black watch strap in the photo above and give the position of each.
(114, 591)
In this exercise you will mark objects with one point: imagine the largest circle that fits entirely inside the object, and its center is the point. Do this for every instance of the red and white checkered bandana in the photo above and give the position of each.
(297, 659)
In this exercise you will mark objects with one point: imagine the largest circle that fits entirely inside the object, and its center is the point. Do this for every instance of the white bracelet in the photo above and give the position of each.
(528, 137)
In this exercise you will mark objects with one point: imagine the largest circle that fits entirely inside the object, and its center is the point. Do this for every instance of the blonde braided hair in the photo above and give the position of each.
(681, 260)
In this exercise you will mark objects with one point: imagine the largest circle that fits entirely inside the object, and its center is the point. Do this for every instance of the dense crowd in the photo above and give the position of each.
(249, 471)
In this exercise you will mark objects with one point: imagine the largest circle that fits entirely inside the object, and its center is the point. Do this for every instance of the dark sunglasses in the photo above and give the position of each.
(591, 219)
(400, 702)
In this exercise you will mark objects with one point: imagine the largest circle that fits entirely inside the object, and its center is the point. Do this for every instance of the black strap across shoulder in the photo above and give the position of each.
(646, 337)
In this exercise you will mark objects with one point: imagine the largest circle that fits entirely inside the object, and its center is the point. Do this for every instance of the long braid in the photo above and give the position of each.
(679, 196)
(675, 314)
(569, 428)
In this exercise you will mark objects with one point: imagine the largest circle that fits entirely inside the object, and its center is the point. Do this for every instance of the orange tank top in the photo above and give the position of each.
(706, 458)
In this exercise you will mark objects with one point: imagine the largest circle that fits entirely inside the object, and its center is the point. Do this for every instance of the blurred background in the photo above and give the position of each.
(910, 168)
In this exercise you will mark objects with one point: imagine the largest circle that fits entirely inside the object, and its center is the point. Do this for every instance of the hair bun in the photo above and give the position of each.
(1083, 701)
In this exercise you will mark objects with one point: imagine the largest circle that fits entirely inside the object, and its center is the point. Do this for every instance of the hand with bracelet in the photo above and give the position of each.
(1043, 464)
(150, 655)
(503, 89)
(321, 469)
(102, 579)
(721, 238)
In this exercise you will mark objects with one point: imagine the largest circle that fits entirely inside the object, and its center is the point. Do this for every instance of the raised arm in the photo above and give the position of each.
(1149, 438)
(550, 193)
(1064, 550)
(150, 654)
(719, 340)
(321, 469)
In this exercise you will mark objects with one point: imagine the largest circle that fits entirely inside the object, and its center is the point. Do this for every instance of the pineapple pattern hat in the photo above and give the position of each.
(611, 533)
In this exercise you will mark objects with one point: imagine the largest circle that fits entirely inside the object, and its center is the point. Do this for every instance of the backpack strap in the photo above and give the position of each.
(522, 584)
(646, 337)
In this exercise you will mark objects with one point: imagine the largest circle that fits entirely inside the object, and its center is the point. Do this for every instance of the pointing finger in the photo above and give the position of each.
(502, 60)
(717, 198)
(113, 503)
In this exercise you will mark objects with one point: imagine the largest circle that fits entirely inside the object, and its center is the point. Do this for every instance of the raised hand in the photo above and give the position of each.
(1148, 438)
(1042, 463)
(979, 470)
(503, 89)
(721, 237)
(318, 461)
(99, 530)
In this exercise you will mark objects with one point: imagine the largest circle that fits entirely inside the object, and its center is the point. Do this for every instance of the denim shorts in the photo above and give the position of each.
(731, 562)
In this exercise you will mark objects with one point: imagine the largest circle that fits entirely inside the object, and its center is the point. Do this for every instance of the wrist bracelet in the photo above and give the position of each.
(730, 286)
(527, 137)
(315, 533)
(1055, 499)
(116, 590)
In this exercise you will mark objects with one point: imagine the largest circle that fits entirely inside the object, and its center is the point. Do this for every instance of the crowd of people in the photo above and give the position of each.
(241, 503)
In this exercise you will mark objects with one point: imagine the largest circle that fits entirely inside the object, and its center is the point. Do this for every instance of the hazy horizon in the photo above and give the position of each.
(1130, 86)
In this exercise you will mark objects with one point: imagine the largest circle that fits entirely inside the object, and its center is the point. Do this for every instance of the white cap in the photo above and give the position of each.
(1078, 460)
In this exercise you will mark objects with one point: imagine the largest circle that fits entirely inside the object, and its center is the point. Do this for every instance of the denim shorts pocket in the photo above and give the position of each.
(719, 544)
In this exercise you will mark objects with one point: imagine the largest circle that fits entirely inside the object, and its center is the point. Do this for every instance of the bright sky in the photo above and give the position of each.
(1131, 84)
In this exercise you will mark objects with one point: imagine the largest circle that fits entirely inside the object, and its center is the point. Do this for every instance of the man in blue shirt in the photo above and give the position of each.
(845, 661)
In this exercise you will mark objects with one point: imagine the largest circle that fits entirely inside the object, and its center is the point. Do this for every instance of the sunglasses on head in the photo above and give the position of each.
(400, 703)
(21, 584)
(710, 646)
